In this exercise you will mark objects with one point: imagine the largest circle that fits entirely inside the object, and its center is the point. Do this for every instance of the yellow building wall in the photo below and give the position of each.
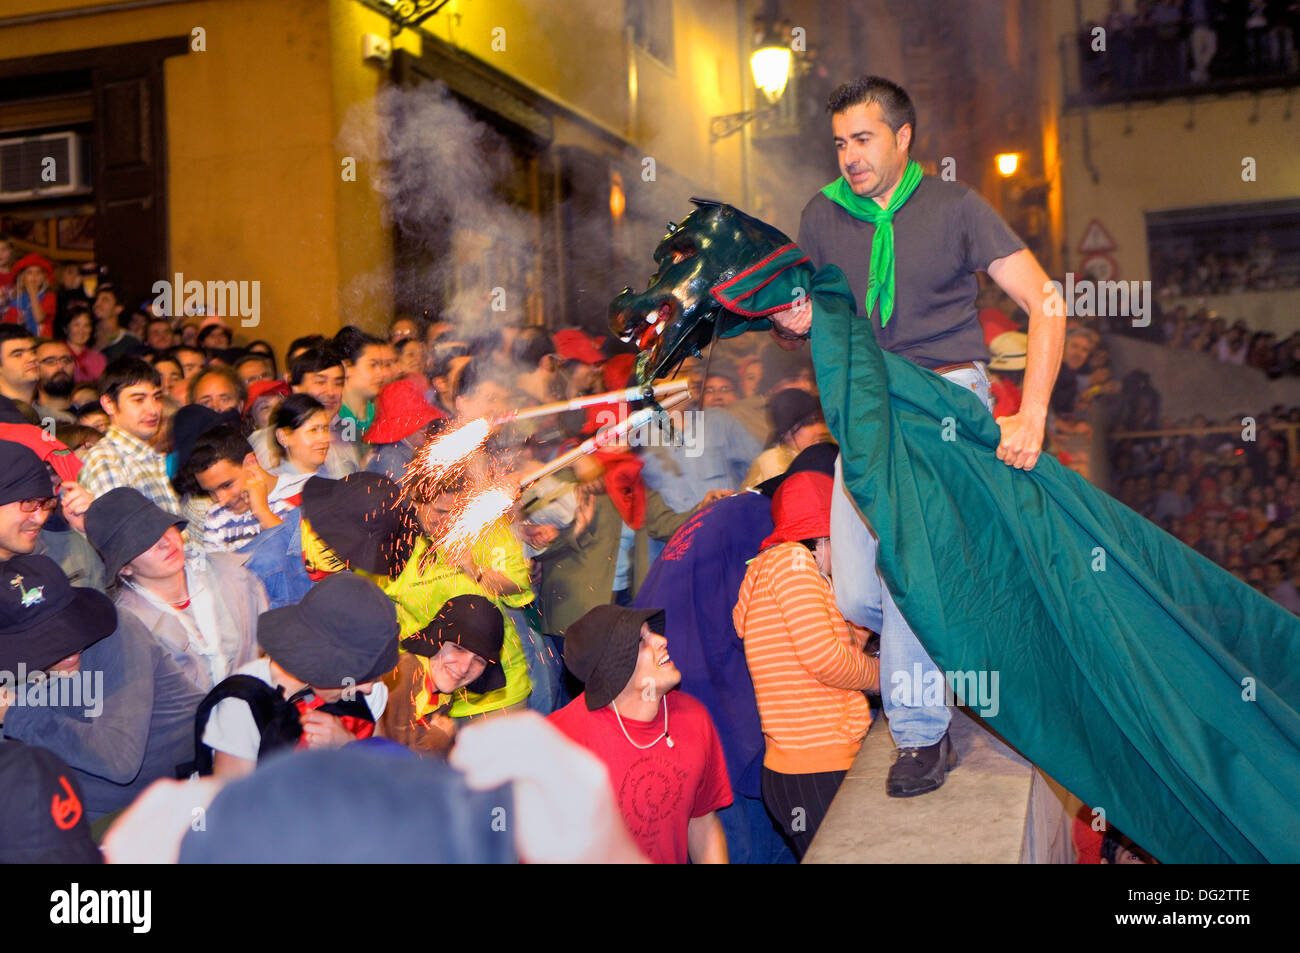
(575, 54)
(1147, 159)
(254, 121)
(1157, 156)
(251, 122)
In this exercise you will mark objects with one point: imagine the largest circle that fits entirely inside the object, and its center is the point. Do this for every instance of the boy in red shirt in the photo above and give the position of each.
(664, 758)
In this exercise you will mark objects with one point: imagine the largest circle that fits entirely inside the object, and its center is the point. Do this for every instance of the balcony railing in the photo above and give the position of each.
(1178, 61)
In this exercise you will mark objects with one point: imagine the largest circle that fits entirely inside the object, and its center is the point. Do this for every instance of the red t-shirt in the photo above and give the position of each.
(658, 789)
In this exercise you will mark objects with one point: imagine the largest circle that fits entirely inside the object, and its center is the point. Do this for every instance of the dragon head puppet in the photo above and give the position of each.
(687, 302)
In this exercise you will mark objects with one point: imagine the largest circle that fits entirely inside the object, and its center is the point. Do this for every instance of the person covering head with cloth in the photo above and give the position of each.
(357, 523)
(910, 246)
(806, 661)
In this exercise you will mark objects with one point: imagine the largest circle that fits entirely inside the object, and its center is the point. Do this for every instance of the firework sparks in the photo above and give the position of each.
(470, 519)
(445, 454)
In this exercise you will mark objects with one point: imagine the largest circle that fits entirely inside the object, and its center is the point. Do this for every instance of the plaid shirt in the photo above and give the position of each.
(122, 460)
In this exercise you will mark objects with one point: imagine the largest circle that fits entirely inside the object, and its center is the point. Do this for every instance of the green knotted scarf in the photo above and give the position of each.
(881, 282)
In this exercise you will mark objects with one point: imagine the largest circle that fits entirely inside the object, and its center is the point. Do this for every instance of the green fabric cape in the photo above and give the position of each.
(1159, 688)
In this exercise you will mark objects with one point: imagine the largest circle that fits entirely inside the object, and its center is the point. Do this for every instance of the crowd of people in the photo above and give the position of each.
(245, 556)
(1208, 333)
(256, 556)
(1154, 44)
(1236, 501)
(1216, 271)
(256, 560)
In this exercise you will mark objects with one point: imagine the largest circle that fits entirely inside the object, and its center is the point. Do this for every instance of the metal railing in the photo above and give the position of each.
(1292, 434)
(1140, 65)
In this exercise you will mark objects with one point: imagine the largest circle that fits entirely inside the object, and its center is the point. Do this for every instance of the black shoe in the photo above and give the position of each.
(921, 770)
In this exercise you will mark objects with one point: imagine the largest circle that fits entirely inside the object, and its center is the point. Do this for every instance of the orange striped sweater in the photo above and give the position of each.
(806, 663)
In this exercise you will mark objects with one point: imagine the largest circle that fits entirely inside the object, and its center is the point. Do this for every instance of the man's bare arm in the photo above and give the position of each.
(1021, 277)
(705, 841)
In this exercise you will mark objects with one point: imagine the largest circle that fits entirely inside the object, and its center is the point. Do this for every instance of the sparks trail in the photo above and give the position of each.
(659, 391)
(445, 455)
(471, 518)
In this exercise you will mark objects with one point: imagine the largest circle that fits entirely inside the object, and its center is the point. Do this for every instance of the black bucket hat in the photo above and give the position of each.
(123, 523)
(44, 618)
(344, 628)
(42, 820)
(788, 408)
(363, 520)
(600, 649)
(190, 423)
(476, 625)
(23, 476)
(819, 458)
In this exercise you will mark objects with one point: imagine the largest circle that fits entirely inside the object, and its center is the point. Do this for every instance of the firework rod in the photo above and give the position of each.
(658, 391)
(598, 440)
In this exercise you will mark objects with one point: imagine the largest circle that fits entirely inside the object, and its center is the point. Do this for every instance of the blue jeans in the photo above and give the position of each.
(544, 668)
(864, 599)
(752, 838)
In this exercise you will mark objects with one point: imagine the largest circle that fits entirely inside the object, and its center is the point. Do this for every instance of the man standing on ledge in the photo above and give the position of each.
(910, 245)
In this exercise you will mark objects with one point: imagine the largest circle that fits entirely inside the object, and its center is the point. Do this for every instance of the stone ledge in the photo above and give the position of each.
(994, 808)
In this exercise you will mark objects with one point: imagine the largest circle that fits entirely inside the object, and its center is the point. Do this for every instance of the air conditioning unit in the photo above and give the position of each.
(40, 166)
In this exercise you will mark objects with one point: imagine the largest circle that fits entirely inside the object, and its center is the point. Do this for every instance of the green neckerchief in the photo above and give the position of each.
(881, 282)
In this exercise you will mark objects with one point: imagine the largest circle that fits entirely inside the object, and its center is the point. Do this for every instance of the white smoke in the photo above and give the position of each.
(442, 174)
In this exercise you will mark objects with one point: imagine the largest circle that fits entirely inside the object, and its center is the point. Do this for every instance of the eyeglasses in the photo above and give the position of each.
(52, 361)
(46, 504)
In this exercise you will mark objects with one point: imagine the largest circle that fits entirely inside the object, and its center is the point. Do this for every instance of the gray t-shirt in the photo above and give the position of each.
(943, 235)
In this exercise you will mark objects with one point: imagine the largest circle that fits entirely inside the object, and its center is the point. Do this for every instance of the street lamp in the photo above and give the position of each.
(1008, 163)
(771, 68)
(770, 65)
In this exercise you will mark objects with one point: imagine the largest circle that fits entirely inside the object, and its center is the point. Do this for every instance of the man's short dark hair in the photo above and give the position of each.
(475, 373)
(179, 349)
(443, 356)
(14, 332)
(126, 372)
(255, 356)
(166, 358)
(893, 100)
(223, 442)
(306, 341)
(313, 361)
(109, 289)
(351, 341)
(152, 321)
(530, 345)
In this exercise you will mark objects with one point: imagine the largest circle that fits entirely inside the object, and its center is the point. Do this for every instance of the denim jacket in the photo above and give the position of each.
(275, 557)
